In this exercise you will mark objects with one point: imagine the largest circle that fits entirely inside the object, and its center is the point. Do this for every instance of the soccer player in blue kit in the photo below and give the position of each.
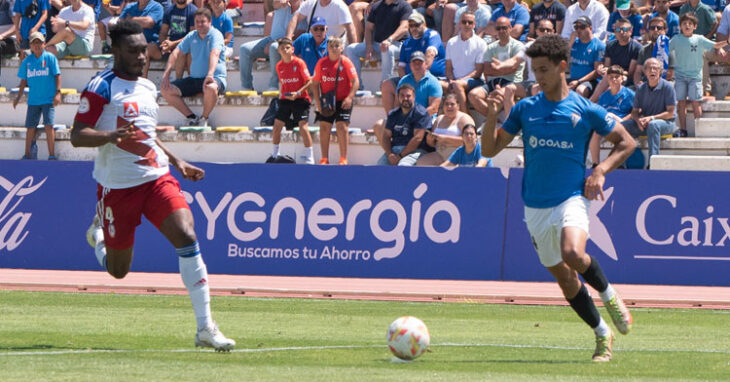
(556, 127)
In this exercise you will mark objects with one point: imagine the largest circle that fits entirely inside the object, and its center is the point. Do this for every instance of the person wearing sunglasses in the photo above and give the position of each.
(594, 10)
(464, 59)
(622, 51)
(518, 16)
(312, 46)
(586, 58)
(658, 47)
(551, 10)
(625, 9)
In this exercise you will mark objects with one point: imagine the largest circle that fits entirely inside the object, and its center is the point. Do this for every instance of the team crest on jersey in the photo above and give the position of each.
(84, 106)
(131, 110)
(575, 118)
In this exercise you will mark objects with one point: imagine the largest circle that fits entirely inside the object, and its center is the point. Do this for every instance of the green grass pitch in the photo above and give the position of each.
(114, 337)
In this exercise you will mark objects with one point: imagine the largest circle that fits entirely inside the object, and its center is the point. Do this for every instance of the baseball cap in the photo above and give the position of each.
(418, 55)
(318, 21)
(417, 17)
(37, 36)
(583, 20)
(622, 5)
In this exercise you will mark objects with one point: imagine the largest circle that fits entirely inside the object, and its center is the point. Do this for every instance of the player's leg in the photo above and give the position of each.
(682, 114)
(276, 136)
(478, 99)
(343, 139)
(210, 96)
(324, 140)
(165, 200)
(301, 115)
(174, 95)
(387, 95)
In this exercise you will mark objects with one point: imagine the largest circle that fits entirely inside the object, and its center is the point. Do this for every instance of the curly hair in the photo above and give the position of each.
(552, 46)
(122, 29)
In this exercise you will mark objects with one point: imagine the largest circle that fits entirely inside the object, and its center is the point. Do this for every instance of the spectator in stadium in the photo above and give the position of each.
(406, 126)
(312, 46)
(148, 14)
(177, 22)
(470, 153)
(114, 9)
(591, 9)
(294, 101)
(586, 58)
(706, 18)
(625, 9)
(530, 87)
(500, 77)
(658, 47)
(41, 73)
(618, 101)
(8, 43)
(622, 51)
(207, 70)
(551, 10)
(446, 133)
(689, 50)
(75, 28)
(653, 112)
(334, 73)
(29, 16)
(722, 34)
(54, 8)
(234, 9)
(334, 12)
(482, 13)
(359, 10)
(386, 26)
(95, 5)
(464, 61)
(248, 52)
(518, 16)
(224, 24)
(661, 9)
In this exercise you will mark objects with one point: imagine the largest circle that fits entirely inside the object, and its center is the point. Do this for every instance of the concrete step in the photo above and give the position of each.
(712, 127)
(690, 162)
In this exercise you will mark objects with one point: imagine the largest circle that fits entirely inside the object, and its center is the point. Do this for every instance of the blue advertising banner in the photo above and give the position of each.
(654, 227)
(353, 221)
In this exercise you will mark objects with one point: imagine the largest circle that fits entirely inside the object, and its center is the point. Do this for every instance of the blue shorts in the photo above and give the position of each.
(33, 116)
(687, 88)
(190, 86)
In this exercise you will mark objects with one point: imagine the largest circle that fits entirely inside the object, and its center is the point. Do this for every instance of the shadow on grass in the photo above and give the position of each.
(50, 347)
(500, 361)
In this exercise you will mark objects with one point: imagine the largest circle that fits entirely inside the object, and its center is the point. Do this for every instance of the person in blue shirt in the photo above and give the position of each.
(586, 58)
(177, 21)
(556, 125)
(41, 73)
(114, 8)
(407, 124)
(224, 23)
(518, 16)
(424, 40)
(312, 46)
(661, 9)
(618, 101)
(470, 153)
(148, 14)
(29, 16)
(207, 69)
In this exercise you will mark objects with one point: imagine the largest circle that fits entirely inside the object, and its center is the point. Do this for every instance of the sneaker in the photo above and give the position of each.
(203, 122)
(604, 347)
(52, 157)
(211, 337)
(343, 161)
(105, 48)
(620, 315)
(324, 161)
(306, 159)
(90, 232)
(193, 121)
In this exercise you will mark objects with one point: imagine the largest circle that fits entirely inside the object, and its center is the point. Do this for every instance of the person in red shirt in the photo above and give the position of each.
(347, 84)
(294, 79)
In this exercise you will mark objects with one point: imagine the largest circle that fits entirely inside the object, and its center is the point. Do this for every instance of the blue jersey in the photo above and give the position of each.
(555, 136)
(40, 73)
(306, 48)
(429, 38)
(461, 158)
(153, 10)
(200, 49)
(583, 57)
(518, 15)
(224, 24)
(619, 104)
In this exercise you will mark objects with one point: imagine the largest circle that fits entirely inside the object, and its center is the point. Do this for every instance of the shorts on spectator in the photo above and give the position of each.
(590, 85)
(111, 20)
(687, 88)
(340, 115)
(472, 83)
(33, 115)
(25, 44)
(191, 86)
(528, 85)
(491, 85)
(79, 47)
(296, 111)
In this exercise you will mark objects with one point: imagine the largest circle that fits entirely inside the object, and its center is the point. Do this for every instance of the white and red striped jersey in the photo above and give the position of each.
(109, 102)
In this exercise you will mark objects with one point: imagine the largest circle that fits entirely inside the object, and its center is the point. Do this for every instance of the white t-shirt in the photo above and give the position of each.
(465, 55)
(595, 11)
(85, 12)
(528, 62)
(335, 14)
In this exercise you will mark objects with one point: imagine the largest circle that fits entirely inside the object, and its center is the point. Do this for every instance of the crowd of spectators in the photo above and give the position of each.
(622, 53)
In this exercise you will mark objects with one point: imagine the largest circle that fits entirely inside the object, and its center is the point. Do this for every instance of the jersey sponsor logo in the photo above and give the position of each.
(332, 79)
(131, 110)
(38, 72)
(542, 142)
(289, 80)
(84, 106)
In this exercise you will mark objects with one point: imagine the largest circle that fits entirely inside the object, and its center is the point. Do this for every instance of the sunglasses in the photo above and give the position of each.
(467, 22)
(579, 27)
(624, 29)
(656, 28)
(318, 29)
(502, 28)
(413, 25)
(544, 29)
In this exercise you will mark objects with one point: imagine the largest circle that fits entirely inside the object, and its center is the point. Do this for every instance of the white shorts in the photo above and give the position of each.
(546, 225)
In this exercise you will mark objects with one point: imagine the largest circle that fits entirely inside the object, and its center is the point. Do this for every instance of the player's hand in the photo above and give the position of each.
(347, 103)
(189, 171)
(208, 79)
(16, 100)
(643, 122)
(384, 45)
(594, 185)
(165, 85)
(393, 159)
(122, 133)
(165, 46)
(56, 99)
(573, 84)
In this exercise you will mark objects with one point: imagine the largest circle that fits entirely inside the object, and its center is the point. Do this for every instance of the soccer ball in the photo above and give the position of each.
(408, 338)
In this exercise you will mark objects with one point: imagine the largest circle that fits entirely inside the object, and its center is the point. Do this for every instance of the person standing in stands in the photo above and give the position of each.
(29, 16)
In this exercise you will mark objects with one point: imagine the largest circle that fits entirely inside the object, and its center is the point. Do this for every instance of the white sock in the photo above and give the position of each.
(309, 152)
(602, 329)
(195, 277)
(607, 294)
(275, 153)
(100, 248)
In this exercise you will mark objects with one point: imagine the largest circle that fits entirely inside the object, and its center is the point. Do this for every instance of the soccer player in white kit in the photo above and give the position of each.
(118, 114)
(556, 127)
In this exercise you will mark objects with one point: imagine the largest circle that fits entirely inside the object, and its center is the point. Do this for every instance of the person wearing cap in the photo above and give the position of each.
(75, 29)
(29, 19)
(41, 73)
(406, 127)
(386, 26)
(552, 10)
(248, 52)
(177, 22)
(586, 58)
(334, 12)
(518, 16)
(625, 9)
(622, 51)
(312, 46)
(464, 61)
(618, 101)
(593, 10)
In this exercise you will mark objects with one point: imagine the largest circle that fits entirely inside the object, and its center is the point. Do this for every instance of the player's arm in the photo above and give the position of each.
(84, 135)
(187, 170)
(493, 139)
(623, 146)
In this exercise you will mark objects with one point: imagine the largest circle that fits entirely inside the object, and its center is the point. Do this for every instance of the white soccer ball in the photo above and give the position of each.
(408, 337)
